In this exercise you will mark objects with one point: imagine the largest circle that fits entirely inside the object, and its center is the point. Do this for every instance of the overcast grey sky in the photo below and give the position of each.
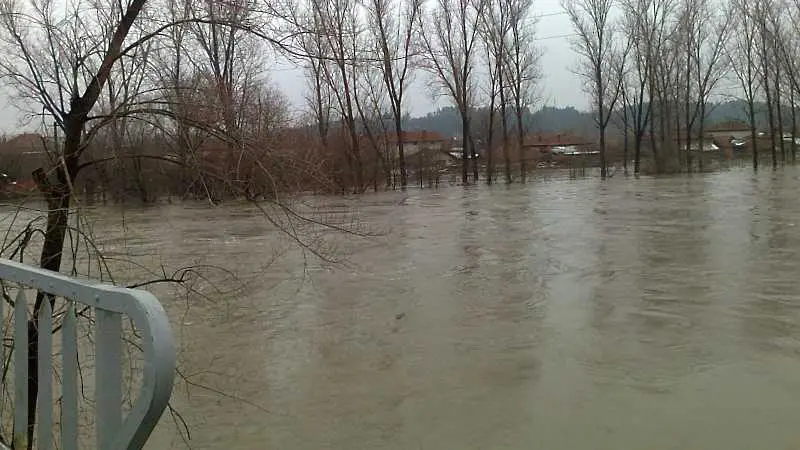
(560, 87)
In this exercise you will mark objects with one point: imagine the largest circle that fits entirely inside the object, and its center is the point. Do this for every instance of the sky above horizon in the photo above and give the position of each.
(559, 86)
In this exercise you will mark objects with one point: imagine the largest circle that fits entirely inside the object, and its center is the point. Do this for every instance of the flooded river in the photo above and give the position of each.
(564, 314)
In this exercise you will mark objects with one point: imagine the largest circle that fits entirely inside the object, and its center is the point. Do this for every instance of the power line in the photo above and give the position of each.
(555, 36)
(557, 13)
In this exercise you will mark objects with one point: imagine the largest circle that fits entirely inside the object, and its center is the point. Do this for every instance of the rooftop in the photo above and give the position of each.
(731, 125)
(554, 139)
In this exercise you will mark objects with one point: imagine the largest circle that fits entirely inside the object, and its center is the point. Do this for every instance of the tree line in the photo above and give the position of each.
(653, 66)
(186, 103)
(187, 78)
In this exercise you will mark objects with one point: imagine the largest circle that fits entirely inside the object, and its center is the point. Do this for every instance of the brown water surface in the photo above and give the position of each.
(563, 314)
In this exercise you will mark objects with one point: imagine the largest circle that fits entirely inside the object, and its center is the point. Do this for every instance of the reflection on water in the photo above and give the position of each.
(653, 313)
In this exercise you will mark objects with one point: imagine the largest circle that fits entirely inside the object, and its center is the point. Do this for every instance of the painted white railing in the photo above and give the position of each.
(110, 304)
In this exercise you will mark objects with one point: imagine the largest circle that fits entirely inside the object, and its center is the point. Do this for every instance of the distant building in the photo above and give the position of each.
(710, 144)
(417, 141)
(553, 144)
(733, 129)
(20, 155)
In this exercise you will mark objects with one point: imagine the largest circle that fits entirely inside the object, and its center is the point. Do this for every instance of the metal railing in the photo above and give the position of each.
(109, 304)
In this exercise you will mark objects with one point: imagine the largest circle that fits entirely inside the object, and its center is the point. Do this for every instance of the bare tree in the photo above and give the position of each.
(320, 98)
(633, 67)
(172, 69)
(487, 138)
(66, 76)
(229, 60)
(742, 56)
(640, 106)
(762, 12)
(495, 30)
(622, 71)
(776, 24)
(449, 34)
(785, 44)
(711, 66)
(81, 66)
(318, 26)
(705, 31)
(663, 54)
(595, 44)
(688, 29)
(523, 69)
(341, 30)
(370, 104)
(394, 32)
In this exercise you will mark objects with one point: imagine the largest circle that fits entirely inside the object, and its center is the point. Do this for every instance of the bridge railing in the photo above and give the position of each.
(107, 306)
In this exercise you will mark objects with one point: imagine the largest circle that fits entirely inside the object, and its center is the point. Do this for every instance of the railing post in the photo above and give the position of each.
(69, 389)
(45, 403)
(20, 371)
(109, 377)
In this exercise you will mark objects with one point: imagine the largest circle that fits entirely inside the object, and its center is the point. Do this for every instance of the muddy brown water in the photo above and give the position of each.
(564, 314)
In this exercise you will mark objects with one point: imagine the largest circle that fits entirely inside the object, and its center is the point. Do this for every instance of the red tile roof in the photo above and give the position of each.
(554, 139)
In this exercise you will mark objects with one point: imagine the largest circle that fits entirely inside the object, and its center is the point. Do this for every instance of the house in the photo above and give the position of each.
(733, 129)
(456, 150)
(21, 154)
(557, 144)
(737, 135)
(416, 141)
(30, 145)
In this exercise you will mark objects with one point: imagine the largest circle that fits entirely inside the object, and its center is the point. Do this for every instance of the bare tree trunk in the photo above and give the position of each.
(490, 142)
(794, 125)
(595, 44)
(768, 94)
(401, 153)
(504, 128)
(465, 154)
(751, 112)
(448, 42)
(653, 147)
(58, 193)
(641, 120)
(496, 28)
(474, 155)
(522, 62)
(523, 157)
(625, 137)
(603, 163)
(745, 53)
(778, 111)
(771, 119)
(701, 132)
(395, 45)
(688, 87)
(494, 67)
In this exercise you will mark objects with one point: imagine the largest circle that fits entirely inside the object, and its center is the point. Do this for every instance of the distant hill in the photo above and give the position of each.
(549, 119)
(568, 119)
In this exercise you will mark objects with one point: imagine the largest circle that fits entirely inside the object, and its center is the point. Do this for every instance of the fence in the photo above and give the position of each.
(107, 305)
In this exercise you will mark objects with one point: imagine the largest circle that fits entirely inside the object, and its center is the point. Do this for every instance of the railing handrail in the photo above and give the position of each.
(158, 348)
